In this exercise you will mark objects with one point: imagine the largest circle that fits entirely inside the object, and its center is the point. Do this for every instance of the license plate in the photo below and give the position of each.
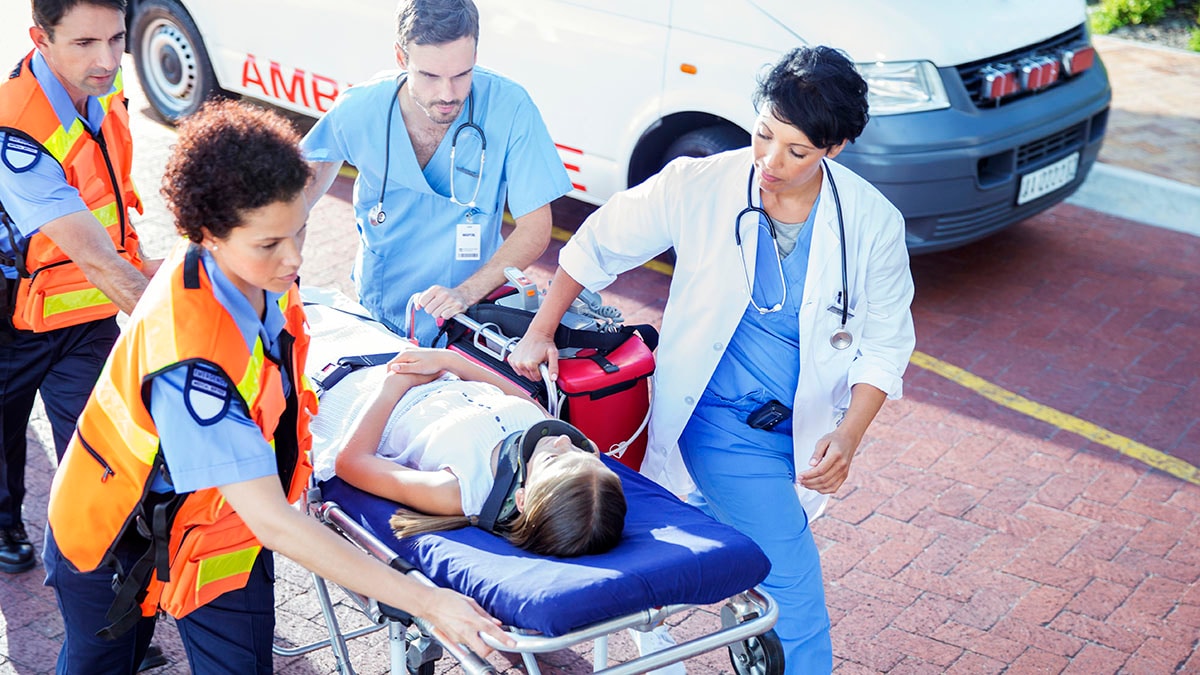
(1048, 179)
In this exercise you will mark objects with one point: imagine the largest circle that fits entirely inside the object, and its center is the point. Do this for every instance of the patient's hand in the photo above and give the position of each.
(423, 361)
(396, 384)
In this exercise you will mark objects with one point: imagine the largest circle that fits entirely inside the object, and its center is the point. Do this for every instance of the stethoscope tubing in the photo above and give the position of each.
(378, 216)
(841, 338)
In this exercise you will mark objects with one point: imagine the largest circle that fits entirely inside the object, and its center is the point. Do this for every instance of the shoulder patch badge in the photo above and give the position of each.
(206, 394)
(19, 154)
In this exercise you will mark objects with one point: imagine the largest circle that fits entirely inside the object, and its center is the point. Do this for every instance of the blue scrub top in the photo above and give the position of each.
(33, 186)
(206, 437)
(415, 247)
(763, 356)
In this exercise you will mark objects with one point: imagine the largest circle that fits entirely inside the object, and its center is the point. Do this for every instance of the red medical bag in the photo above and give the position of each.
(603, 378)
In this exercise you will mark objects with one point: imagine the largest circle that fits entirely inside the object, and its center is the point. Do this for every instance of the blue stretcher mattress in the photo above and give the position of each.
(670, 553)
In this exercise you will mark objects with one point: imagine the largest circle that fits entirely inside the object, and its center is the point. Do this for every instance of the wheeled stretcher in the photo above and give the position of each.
(671, 557)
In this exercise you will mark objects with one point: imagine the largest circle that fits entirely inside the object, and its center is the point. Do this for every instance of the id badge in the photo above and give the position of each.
(468, 241)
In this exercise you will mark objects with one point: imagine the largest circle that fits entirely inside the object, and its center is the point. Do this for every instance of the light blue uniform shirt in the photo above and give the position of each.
(414, 248)
(33, 186)
(206, 436)
(763, 356)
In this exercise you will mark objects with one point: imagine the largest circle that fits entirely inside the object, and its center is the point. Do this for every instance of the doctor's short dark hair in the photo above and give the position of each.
(231, 157)
(435, 22)
(47, 14)
(817, 90)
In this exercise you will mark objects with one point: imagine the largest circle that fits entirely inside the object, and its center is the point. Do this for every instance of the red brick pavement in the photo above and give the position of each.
(969, 538)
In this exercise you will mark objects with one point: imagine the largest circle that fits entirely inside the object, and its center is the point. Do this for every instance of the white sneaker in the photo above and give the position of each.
(657, 640)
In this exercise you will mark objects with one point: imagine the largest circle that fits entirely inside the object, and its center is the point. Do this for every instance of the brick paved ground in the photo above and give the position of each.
(969, 538)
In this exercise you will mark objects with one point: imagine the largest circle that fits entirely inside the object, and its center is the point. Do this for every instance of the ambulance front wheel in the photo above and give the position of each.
(171, 60)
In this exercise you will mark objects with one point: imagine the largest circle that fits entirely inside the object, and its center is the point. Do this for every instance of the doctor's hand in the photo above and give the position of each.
(532, 351)
(442, 303)
(831, 461)
(461, 619)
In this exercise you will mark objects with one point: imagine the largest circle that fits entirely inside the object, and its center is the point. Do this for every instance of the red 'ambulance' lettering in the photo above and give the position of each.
(296, 90)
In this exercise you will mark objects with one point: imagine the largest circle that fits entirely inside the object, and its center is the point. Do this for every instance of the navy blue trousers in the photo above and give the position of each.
(63, 364)
(232, 634)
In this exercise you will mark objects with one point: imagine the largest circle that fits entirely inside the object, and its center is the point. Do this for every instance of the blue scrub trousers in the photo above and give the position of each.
(746, 477)
(64, 365)
(232, 634)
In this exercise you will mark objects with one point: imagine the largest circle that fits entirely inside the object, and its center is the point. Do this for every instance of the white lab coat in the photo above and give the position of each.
(692, 205)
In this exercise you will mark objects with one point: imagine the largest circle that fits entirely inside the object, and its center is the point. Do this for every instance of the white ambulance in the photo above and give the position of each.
(983, 112)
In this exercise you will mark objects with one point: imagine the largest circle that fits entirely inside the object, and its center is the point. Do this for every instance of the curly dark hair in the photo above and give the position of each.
(231, 157)
(818, 91)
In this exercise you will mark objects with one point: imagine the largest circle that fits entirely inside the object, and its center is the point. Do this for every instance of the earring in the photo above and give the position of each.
(213, 248)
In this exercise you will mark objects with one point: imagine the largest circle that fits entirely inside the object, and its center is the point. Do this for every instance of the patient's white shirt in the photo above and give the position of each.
(454, 424)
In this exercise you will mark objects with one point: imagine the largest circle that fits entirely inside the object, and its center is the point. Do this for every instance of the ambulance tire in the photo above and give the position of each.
(172, 63)
(706, 141)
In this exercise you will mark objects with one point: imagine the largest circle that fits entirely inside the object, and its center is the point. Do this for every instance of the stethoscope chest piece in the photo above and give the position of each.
(841, 338)
(377, 215)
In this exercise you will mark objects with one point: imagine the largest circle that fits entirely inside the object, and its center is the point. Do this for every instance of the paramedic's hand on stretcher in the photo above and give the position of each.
(284, 529)
(537, 347)
(461, 619)
(442, 303)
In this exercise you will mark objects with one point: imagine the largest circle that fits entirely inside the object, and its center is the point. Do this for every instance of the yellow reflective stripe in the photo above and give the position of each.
(62, 140)
(108, 215)
(73, 300)
(248, 387)
(143, 444)
(118, 87)
(225, 565)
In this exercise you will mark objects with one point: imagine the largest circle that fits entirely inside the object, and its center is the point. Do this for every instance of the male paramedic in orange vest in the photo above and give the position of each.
(69, 257)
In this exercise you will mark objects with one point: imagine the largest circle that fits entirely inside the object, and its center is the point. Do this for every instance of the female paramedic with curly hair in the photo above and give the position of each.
(791, 292)
(176, 486)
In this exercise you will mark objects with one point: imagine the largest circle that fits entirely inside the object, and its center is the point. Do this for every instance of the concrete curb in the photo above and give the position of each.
(1141, 197)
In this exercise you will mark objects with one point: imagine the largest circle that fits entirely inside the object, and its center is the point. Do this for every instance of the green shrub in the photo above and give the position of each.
(1194, 43)
(1113, 14)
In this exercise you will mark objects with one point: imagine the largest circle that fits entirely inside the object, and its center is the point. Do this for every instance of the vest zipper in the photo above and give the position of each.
(108, 472)
(112, 176)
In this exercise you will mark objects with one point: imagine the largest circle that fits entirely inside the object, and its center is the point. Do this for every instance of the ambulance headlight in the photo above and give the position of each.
(903, 87)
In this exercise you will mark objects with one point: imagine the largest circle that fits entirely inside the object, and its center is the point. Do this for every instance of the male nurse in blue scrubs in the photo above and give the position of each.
(440, 147)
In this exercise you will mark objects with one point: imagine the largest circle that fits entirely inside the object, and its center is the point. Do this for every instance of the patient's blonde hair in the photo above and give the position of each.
(566, 514)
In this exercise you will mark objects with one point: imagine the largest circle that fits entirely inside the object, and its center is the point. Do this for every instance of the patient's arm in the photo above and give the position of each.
(425, 361)
(432, 492)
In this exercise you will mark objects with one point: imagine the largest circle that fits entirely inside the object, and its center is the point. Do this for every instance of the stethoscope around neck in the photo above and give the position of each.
(377, 216)
(840, 338)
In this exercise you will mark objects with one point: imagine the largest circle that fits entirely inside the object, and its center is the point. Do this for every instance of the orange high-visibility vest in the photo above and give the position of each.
(199, 547)
(53, 291)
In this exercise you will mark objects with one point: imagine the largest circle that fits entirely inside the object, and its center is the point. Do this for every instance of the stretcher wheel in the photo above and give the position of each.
(423, 669)
(759, 655)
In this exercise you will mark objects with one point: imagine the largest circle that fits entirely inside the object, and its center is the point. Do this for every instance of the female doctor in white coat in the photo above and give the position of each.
(805, 308)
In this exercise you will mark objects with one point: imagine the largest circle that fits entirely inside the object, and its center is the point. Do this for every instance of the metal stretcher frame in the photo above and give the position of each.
(415, 645)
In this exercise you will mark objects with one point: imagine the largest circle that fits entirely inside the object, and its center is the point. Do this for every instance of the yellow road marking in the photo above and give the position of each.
(1125, 446)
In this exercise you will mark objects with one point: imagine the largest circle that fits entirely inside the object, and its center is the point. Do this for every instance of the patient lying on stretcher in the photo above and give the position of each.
(462, 446)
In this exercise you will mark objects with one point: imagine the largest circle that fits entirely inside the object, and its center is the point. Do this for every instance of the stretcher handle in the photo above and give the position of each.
(487, 334)
(331, 513)
(472, 663)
